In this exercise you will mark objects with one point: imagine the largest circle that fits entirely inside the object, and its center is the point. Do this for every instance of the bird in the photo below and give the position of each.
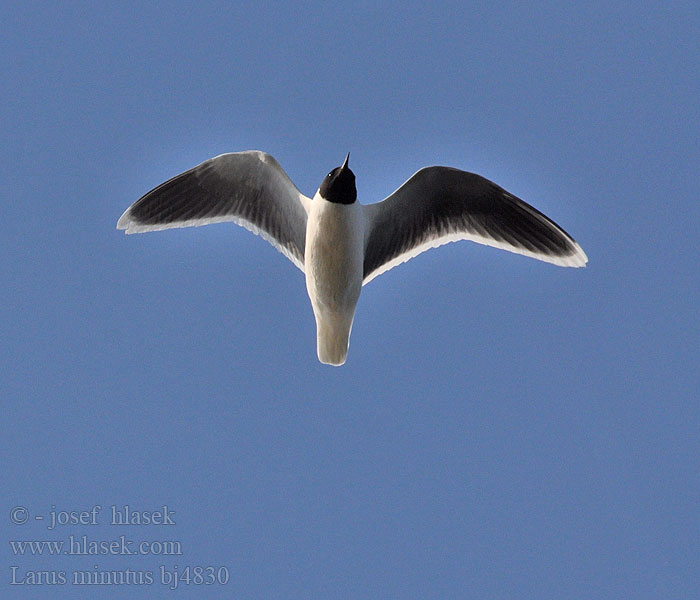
(339, 244)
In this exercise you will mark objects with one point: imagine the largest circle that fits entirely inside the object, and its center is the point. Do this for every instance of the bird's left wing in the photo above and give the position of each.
(438, 205)
(249, 188)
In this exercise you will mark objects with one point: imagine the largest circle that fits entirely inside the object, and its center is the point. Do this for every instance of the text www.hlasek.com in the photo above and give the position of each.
(83, 546)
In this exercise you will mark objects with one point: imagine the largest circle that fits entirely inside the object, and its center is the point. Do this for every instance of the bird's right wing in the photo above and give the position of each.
(438, 205)
(248, 188)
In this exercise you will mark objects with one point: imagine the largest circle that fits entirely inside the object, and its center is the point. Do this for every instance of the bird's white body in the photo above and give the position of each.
(333, 265)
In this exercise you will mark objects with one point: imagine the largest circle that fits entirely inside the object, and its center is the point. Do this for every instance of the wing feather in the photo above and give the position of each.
(439, 205)
(248, 188)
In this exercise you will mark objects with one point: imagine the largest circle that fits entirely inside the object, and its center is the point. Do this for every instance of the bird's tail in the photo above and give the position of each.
(333, 338)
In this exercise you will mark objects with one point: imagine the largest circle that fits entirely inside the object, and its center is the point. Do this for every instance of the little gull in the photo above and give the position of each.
(341, 244)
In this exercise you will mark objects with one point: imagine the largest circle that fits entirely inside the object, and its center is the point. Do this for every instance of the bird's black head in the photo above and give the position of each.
(339, 185)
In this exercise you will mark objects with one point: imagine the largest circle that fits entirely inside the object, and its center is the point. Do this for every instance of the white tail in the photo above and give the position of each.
(333, 338)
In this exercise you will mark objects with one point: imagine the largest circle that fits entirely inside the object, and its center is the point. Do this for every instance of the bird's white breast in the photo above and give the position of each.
(334, 255)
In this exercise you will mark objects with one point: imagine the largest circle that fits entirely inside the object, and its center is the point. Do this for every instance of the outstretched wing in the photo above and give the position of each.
(248, 188)
(439, 205)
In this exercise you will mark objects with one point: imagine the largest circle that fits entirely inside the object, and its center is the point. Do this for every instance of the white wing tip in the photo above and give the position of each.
(577, 260)
(129, 226)
(124, 221)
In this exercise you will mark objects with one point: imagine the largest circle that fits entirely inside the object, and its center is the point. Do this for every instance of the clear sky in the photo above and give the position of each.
(503, 428)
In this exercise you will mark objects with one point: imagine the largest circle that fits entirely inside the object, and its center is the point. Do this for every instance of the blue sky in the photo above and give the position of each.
(502, 429)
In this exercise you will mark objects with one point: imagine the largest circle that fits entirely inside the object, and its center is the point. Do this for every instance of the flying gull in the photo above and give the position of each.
(340, 244)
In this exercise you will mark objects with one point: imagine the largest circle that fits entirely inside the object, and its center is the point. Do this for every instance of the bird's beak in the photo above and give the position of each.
(345, 164)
